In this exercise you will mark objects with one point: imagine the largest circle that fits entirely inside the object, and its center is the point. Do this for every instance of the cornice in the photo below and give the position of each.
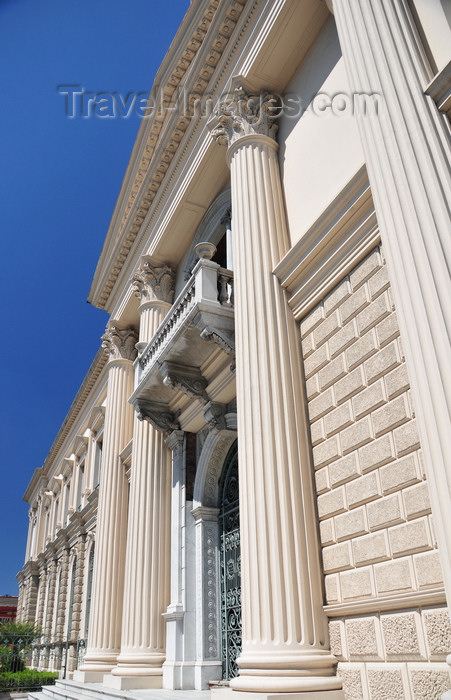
(39, 476)
(160, 135)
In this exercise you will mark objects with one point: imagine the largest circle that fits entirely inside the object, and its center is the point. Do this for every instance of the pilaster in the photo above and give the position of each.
(285, 640)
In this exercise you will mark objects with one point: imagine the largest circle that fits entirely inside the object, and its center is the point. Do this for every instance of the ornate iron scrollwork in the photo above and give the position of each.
(229, 533)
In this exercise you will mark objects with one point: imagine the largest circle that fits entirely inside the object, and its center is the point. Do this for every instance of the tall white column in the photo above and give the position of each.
(408, 154)
(147, 587)
(104, 637)
(285, 640)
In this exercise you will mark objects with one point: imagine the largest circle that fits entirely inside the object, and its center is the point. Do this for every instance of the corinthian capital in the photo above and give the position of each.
(241, 113)
(154, 282)
(120, 344)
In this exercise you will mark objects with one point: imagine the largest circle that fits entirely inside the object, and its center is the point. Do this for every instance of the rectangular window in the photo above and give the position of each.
(80, 486)
(97, 464)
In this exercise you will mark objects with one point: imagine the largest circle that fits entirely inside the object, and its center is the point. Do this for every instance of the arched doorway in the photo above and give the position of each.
(230, 564)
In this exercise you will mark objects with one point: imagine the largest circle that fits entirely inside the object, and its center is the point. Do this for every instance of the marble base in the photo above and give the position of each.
(229, 694)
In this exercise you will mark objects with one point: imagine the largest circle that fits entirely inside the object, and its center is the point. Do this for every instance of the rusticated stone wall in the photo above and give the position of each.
(376, 529)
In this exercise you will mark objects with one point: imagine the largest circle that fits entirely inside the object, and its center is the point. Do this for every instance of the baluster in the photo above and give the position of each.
(223, 292)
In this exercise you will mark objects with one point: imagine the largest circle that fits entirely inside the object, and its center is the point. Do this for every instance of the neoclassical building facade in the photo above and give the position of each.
(251, 493)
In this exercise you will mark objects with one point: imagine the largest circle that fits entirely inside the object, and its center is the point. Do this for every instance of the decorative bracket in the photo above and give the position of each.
(223, 339)
(214, 414)
(189, 380)
(157, 414)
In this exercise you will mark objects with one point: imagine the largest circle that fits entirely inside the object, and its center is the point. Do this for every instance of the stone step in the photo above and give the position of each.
(72, 690)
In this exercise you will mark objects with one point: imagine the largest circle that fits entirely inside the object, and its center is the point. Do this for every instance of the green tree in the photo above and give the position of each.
(15, 639)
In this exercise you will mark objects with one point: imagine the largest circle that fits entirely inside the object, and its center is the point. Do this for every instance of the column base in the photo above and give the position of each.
(88, 676)
(229, 694)
(149, 682)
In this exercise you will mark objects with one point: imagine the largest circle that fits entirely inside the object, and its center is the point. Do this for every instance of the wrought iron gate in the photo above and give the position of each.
(229, 533)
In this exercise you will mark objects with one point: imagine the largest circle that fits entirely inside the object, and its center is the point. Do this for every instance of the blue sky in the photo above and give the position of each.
(59, 180)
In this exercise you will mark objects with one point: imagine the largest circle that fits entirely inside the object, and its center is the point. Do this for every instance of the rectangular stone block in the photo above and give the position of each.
(321, 405)
(351, 524)
(362, 636)
(374, 313)
(352, 306)
(332, 588)
(356, 584)
(331, 503)
(390, 416)
(326, 530)
(406, 438)
(338, 419)
(337, 296)
(361, 350)
(326, 328)
(383, 362)
(370, 549)
(378, 282)
(336, 646)
(428, 570)
(312, 387)
(349, 385)
(343, 338)
(393, 576)
(326, 452)
(344, 469)
(337, 557)
(401, 635)
(396, 381)
(364, 270)
(322, 480)
(438, 632)
(308, 345)
(309, 322)
(316, 360)
(388, 677)
(356, 435)
(331, 372)
(410, 537)
(376, 453)
(362, 490)
(399, 474)
(369, 400)
(352, 681)
(429, 684)
(416, 501)
(385, 512)
(387, 330)
(317, 432)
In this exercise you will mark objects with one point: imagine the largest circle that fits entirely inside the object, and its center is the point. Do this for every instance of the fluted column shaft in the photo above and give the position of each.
(147, 586)
(108, 578)
(407, 153)
(284, 627)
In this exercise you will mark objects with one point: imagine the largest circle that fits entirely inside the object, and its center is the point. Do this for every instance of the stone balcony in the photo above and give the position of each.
(186, 371)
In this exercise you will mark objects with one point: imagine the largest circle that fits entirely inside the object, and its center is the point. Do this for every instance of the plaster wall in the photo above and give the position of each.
(319, 153)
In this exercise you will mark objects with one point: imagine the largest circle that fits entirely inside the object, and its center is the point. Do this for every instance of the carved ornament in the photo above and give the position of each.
(154, 282)
(157, 414)
(214, 414)
(241, 113)
(120, 344)
(189, 380)
(223, 339)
